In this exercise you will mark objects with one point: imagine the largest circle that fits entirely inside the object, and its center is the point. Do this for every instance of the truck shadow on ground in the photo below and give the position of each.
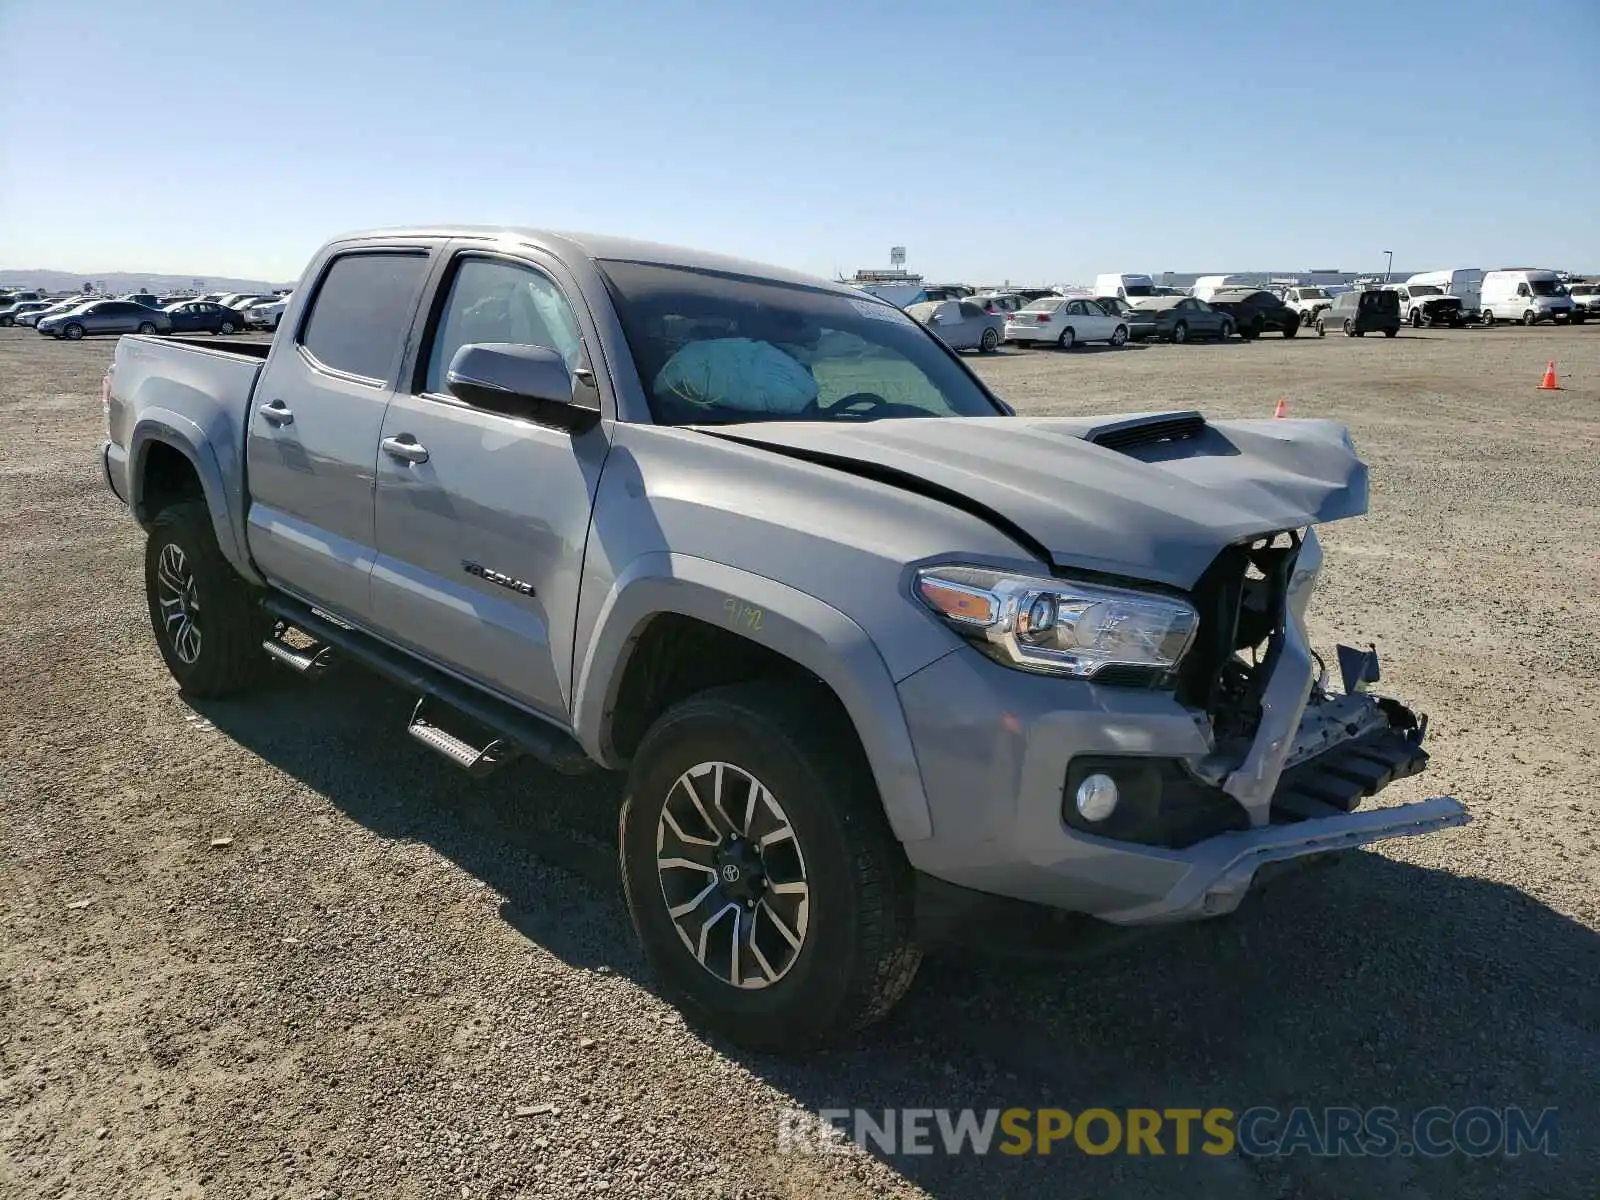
(1369, 982)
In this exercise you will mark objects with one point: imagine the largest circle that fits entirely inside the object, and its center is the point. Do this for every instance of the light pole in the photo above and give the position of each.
(1388, 265)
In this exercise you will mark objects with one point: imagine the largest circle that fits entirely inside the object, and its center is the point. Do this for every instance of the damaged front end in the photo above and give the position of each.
(1292, 759)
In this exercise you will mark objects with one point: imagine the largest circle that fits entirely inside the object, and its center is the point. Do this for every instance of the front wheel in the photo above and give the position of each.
(1390, 332)
(73, 332)
(1119, 336)
(1487, 318)
(1291, 329)
(201, 611)
(768, 893)
(1530, 318)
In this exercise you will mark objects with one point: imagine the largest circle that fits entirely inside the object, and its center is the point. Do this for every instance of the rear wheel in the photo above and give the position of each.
(225, 327)
(1322, 330)
(146, 328)
(1067, 340)
(1349, 328)
(1180, 333)
(1487, 318)
(766, 888)
(202, 613)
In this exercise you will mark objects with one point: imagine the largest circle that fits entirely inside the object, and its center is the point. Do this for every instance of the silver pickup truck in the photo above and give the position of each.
(860, 635)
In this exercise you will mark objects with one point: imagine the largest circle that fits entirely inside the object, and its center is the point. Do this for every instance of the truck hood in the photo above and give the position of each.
(1151, 496)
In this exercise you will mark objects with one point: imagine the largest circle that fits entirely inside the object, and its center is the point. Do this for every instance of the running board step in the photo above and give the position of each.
(312, 661)
(533, 735)
(475, 762)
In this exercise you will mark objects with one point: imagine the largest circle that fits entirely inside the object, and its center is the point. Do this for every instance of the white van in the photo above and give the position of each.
(1124, 287)
(1526, 294)
(1463, 282)
(1208, 285)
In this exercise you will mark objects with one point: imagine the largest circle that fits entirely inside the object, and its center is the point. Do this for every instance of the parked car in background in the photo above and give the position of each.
(998, 302)
(148, 299)
(13, 314)
(238, 300)
(204, 316)
(1426, 304)
(1141, 325)
(1308, 301)
(1585, 298)
(1203, 287)
(960, 324)
(1357, 313)
(1183, 318)
(50, 308)
(1529, 295)
(267, 314)
(1255, 312)
(1067, 322)
(106, 316)
(1124, 287)
(1465, 282)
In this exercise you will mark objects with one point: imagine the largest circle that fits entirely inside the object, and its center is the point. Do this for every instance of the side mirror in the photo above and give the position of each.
(517, 381)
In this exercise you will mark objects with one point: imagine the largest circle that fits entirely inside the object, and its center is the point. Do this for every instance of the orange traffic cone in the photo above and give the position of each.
(1283, 408)
(1549, 384)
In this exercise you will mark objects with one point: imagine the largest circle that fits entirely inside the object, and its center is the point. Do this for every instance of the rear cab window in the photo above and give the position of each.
(361, 312)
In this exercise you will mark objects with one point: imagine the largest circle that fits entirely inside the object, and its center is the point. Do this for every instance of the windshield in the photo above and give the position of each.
(1138, 289)
(714, 348)
(1425, 289)
(1546, 287)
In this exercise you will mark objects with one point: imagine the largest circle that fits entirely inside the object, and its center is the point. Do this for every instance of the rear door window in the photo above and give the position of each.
(362, 312)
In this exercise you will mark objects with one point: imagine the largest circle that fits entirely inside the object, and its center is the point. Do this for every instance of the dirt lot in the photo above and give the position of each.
(394, 982)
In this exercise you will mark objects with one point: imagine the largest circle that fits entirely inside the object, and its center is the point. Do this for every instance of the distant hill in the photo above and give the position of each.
(128, 281)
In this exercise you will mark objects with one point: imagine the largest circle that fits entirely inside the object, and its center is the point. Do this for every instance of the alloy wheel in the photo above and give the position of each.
(180, 603)
(732, 875)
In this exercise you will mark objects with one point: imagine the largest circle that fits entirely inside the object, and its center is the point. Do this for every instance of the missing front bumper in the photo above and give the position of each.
(1223, 869)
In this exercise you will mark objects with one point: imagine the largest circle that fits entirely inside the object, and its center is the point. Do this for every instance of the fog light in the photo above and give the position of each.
(1096, 797)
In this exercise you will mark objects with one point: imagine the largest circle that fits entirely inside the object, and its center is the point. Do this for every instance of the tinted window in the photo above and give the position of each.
(494, 301)
(971, 311)
(362, 312)
(718, 348)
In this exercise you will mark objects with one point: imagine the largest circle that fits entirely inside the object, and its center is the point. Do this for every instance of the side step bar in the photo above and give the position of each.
(539, 739)
(311, 662)
(469, 758)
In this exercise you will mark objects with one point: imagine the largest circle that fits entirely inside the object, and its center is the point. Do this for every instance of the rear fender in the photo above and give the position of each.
(161, 425)
(808, 632)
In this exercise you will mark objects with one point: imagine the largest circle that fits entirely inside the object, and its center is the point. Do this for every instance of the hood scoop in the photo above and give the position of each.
(1146, 430)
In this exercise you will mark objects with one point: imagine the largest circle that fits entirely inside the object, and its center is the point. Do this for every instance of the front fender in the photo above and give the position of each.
(790, 622)
(162, 425)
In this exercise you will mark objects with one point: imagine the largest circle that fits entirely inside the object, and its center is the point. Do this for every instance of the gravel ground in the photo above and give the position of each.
(272, 948)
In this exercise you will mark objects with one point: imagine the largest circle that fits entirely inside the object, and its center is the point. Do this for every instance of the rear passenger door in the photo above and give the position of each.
(482, 517)
(312, 441)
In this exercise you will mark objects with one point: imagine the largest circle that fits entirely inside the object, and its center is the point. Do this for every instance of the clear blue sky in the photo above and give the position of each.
(1041, 140)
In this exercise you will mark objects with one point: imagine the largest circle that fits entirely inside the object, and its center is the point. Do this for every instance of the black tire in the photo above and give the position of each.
(72, 332)
(1119, 336)
(1486, 318)
(225, 327)
(856, 957)
(1180, 333)
(1307, 318)
(1322, 330)
(1416, 318)
(147, 328)
(1068, 339)
(1578, 318)
(1530, 318)
(6, 322)
(1390, 332)
(223, 610)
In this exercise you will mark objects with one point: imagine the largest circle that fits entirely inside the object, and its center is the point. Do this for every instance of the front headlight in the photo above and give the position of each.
(1059, 626)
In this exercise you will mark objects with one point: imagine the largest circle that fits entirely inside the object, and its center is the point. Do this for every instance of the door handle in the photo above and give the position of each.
(277, 412)
(405, 447)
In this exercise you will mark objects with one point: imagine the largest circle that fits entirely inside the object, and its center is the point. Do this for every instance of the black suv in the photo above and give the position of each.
(1359, 313)
(1256, 312)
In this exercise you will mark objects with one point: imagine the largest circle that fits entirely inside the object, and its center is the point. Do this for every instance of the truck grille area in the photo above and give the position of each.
(1243, 603)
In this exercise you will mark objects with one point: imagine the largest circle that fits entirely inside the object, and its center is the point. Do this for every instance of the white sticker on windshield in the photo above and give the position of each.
(878, 311)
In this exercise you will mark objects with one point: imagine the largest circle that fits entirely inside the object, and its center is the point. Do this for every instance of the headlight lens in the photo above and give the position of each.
(1058, 626)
